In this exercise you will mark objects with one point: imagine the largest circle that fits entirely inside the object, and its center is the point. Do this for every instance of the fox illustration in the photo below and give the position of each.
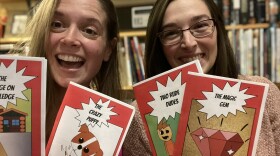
(85, 143)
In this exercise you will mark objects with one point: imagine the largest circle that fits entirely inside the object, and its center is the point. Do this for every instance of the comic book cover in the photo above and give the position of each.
(89, 123)
(160, 99)
(22, 105)
(220, 117)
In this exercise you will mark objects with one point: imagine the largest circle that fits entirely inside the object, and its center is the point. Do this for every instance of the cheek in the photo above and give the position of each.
(51, 42)
(169, 51)
(213, 49)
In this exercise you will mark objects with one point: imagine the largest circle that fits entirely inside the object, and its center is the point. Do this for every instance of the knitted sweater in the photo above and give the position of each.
(136, 142)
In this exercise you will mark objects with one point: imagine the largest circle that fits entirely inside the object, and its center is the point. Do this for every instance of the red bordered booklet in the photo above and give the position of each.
(22, 105)
(160, 99)
(221, 116)
(89, 123)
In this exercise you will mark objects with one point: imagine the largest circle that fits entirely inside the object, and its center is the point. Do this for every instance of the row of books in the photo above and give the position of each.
(131, 55)
(257, 51)
(249, 11)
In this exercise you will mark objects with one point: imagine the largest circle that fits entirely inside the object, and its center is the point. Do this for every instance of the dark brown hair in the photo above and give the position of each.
(155, 61)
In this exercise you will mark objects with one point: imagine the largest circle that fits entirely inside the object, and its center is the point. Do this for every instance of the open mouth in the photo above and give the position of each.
(165, 137)
(189, 59)
(70, 61)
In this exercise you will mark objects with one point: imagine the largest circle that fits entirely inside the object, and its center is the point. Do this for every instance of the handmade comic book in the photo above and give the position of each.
(160, 99)
(89, 123)
(220, 116)
(22, 105)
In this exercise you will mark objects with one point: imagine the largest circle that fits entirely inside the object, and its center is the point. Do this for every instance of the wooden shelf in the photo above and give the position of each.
(11, 1)
(228, 27)
(11, 40)
(247, 26)
(133, 33)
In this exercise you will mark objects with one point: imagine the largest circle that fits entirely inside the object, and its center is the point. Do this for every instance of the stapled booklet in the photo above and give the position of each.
(220, 116)
(160, 99)
(89, 123)
(22, 105)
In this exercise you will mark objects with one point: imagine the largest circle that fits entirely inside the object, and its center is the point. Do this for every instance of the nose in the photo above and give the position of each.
(71, 37)
(188, 40)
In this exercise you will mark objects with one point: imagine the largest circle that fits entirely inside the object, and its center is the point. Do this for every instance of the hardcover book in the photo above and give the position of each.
(220, 116)
(89, 123)
(22, 105)
(160, 99)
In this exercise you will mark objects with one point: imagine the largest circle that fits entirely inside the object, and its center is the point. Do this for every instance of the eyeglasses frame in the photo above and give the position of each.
(182, 32)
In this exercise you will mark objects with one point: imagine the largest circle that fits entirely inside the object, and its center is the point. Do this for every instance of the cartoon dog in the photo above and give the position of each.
(85, 143)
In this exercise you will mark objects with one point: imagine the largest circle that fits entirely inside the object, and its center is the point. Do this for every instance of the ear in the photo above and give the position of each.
(109, 49)
(84, 128)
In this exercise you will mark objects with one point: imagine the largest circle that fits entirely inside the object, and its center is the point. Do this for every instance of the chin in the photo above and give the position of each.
(63, 83)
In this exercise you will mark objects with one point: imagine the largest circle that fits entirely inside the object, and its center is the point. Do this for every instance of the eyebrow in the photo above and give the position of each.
(193, 19)
(58, 13)
(199, 17)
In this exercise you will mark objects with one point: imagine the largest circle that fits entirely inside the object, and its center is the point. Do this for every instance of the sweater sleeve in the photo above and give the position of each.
(136, 142)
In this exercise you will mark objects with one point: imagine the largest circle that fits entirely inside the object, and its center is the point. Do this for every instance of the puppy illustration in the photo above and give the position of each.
(85, 143)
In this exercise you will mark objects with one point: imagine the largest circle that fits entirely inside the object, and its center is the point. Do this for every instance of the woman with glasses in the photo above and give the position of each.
(180, 31)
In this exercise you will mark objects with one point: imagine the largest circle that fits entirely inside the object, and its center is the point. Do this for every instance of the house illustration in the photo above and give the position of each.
(12, 120)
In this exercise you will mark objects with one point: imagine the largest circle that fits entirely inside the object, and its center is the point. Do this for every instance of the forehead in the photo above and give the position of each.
(186, 11)
(83, 8)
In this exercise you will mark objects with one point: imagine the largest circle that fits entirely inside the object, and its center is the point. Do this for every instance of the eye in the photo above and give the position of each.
(90, 32)
(170, 34)
(86, 150)
(201, 26)
(57, 26)
(167, 131)
(161, 132)
(81, 140)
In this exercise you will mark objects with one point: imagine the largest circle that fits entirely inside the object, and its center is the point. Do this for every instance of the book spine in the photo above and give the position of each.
(235, 12)
(261, 11)
(261, 44)
(226, 11)
(252, 17)
(256, 57)
(244, 12)
(127, 78)
(278, 55)
(136, 60)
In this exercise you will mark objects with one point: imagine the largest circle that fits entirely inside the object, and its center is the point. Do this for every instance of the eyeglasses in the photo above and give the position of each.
(199, 30)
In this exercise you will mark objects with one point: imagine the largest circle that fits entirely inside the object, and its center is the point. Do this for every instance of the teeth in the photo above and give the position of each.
(192, 58)
(70, 58)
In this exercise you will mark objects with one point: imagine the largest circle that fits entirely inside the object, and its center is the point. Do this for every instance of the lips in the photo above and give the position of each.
(70, 61)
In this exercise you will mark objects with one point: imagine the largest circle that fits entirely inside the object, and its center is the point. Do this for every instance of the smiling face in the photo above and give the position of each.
(165, 134)
(77, 44)
(182, 14)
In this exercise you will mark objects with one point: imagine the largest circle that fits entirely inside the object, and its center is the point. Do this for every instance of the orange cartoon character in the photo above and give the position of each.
(85, 143)
(165, 134)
